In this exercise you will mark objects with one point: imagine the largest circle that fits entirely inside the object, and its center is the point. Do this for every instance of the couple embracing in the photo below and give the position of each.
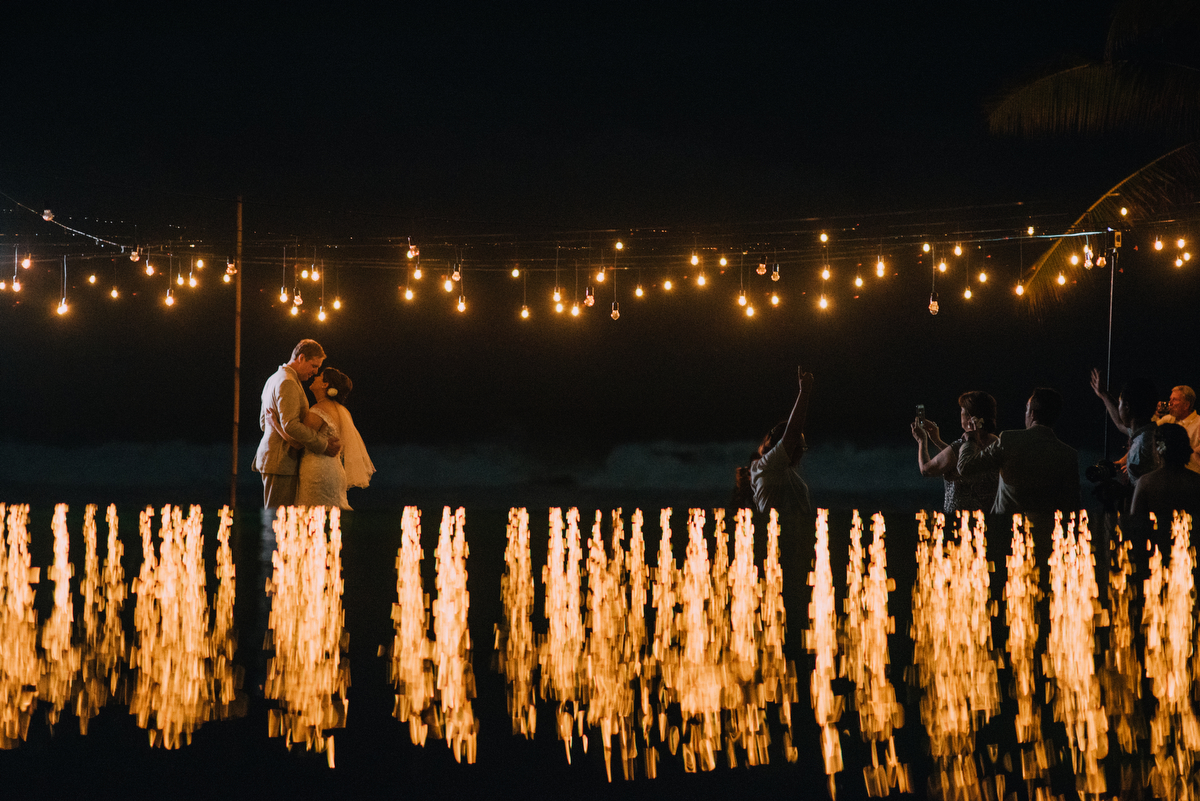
(309, 456)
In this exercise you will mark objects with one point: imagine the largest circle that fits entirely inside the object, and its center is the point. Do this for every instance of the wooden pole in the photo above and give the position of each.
(237, 357)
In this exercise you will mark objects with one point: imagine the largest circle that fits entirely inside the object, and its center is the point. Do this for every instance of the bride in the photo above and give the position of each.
(323, 479)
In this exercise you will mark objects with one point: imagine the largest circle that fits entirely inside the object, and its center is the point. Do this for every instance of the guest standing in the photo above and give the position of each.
(1183, 411)
(936, 458)
(773, 475)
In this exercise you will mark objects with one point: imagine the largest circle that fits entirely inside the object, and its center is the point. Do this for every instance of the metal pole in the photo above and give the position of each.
(237, 356)
(1112, 284)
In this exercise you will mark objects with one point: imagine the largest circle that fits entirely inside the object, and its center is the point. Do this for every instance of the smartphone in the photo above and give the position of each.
(920, 413)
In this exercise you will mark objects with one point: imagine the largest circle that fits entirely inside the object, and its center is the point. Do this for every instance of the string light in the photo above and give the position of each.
(135, 255)
(695, 259)
(982, 277)
(316, 275)
(825, 274)
(742, 298)
(462, 303)
(762, 268)
(616, 311)
(1100, 260)
(1124, 211)
(417, 273)
(600, 276)
(296, 299)
(192, 281)
(92, 278)
(304, 273)
(824, 237)
(557, 294)
(620, 245)
(516, 272)
(525, 312)
(775, 273)
(1179, 262)
(749, 311)
(1062, 279)
(589, 297)
(958, 250)
(1179, 243)
(295, 311)
(967, 293)
(638, 291)
(724, 261)
(1074, 259)
(942, 266)
(1020, 289)
(149, 268)
(226, 278)
(933, 303)
(925, 247)
(115, 294)
(700, 280)
(27, 262)
(283, 295)
(179, 279)
(3, 285)
(1187, 256)
(62, 306)
(408, 294)
(1029, 230)
(667, 285)
(321, 314)
(337, 303)
(448, 285)
(575, 310)
(230, 268)
(823, 302)
(558, 307)
(774, 299)
(199, 264)
(170, 301)
(1158, 244)
(457, 274)
(858, 280)
(879, 267)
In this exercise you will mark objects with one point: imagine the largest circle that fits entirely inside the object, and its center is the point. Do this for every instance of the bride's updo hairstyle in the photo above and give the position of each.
(339, 384)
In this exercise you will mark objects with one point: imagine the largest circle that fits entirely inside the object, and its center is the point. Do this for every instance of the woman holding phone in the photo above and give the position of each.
(936, 458)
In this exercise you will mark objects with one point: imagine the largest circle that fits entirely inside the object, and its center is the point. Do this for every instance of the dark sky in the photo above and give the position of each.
(528, 125)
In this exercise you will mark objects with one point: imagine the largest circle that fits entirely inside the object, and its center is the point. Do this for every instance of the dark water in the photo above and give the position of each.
(374, 755)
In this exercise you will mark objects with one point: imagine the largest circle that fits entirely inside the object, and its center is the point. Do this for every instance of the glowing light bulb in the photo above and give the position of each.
(824, 237)
(304, 273)
(321, 314)
(762, 268)
(620, 245)
(616, 311)
(1124, 211)
(115, 294)
(879, 267)
(825, 274)
(410, 253)
(942, 267)
(516, 272)
(62, 306)
(3, 285)
(558, 307)
(1020, 289)
(16, 285)
(134, 256)
(575, 310)
(283, 296)
(967, 293)
(295, 310)
(462, 304)
(700, 280)
(958, 250)
(417, 273)
(775, 273)
(982, 277)
(1179, 262)
(149, 268)
(199, 264)
(823, 303)
(1101, 261)
(925, 247)
(26, 262)
(1158, 244)
(179, 279)
(557, 294)
(408, 294)
(92, 279)
(589, 299)
(1187, 256)
(742, 298)
(192, 281)
(170, 298)
(296, 299)
(695, 259)
(1179, 243)
(858, 280)
(1087, 263)
(723, 261)
(749, 311)
(1062, 279)
(600, 277)
(448, 285)
(337, 303)
(1074, 259)
(524, 312)
(226, 278)
(230, 269)
(638, 291)
(1029, 230)
(667, 285)
(774, 299)
(316, 276)
(456, 275)
(934, 306)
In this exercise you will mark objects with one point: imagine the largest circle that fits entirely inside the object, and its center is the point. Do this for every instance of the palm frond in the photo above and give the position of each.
(1142, 97)
(1159, 24)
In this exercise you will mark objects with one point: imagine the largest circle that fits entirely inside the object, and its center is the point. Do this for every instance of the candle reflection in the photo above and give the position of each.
(19, 669)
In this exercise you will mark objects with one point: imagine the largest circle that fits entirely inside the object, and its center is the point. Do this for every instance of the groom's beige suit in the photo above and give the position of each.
(283, 398)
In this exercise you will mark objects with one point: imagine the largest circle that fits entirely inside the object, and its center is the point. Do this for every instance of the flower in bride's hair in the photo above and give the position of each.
(331, 392)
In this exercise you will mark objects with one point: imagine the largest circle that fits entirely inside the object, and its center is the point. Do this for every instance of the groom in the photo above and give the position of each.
(284, 398)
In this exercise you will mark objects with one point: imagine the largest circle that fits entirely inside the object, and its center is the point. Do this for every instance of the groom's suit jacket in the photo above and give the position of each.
(283, 398)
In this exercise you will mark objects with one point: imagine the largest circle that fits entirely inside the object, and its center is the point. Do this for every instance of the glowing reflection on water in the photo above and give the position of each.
(308, 674)
(19, 668)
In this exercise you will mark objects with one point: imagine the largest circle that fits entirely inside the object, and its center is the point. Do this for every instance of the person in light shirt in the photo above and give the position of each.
(1182, 406)
(773, 476)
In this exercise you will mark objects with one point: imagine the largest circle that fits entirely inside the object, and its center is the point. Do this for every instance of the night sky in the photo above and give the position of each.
(511, 128)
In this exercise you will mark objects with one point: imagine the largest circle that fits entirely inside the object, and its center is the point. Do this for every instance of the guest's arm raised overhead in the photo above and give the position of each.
(934, 458)
(1110, 402)
(793, 435)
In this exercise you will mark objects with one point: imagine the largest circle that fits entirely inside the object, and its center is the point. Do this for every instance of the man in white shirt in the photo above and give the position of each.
(1183, 411)
(773, 475)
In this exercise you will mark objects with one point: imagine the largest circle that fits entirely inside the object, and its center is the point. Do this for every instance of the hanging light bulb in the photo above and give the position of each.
(411, 253)
(774, 299)
(967, 293)
(149, 268)
(179, 279)
(337, 303)
(600, 276)
(925, 247)
(1158, 244)
(199, 264)
(1087, 262)
(134, 256)
(295, 311)
(417, 273)
(1124, 211)
(3, 285)
(192, 281)
(1020, 289)
(958, 250)
(749, 311)
(762, 268)
(462, 303)
(589, 299)
(823, 302)
(616, 311)
(1062, 279)
(524, 312)
(1029, 230)
(321, 314)
(723, 261)
(700, 280)
(1179, 262)
(516, 272)
(408, 294)
(825, 274)
(16, 284)
(27, 262)
(296, 299)
(47, 215)
(879, 267)
(448, 285)
(575, 310)
(942, 266)
(170, 298)
(283, 295)
(1179, 243)
(1101, 260)
(775, 273)
(230, 269)
(638, 291)
(1187, 256)
(115, 294)
(557, 294)
(304, 273)
(933, 303)
(695, 259)
(858, 280)
(1074, 259)
(316, 276)
(226, 278)
(667, 285)
(457, 275)
(620, 245)
(62, 306)
(742, 298)
(558, 307)
(92, 278)
(982, 277)
(824, 237)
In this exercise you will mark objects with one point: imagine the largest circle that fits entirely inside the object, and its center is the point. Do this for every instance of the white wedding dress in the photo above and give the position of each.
(323, 479)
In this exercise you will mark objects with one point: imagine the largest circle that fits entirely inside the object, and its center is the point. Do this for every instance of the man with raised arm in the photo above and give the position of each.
(773, 475)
